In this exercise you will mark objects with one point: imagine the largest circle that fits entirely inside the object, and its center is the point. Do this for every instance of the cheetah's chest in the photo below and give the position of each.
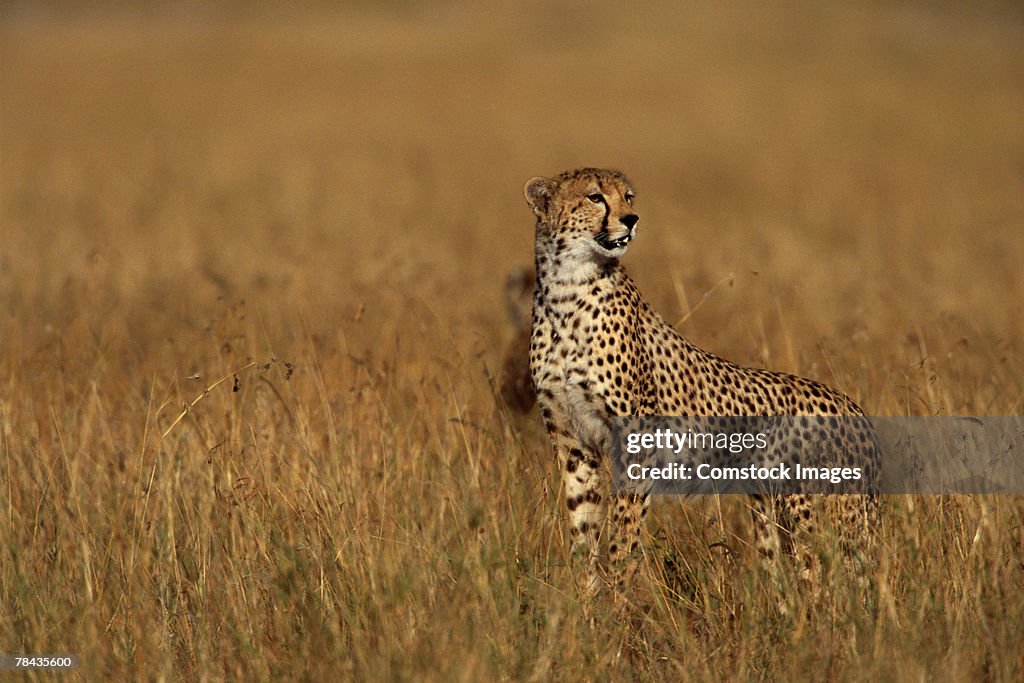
(585, 356)
(569, 336)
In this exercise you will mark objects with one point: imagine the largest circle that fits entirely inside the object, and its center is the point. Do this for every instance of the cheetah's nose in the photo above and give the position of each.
(630, 220)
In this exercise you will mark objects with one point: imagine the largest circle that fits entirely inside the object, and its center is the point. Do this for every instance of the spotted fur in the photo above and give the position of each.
(597, 350)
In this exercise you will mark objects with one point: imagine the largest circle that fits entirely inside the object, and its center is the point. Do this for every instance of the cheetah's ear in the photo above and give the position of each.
(538, 192)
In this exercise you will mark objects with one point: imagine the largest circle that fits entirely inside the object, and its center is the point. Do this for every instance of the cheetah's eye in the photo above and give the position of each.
(597, 197)
(629, 198)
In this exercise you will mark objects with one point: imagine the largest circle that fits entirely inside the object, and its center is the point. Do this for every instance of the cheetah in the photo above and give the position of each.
(598, 351)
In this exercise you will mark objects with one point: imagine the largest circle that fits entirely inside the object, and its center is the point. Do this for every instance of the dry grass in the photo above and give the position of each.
(336, 197)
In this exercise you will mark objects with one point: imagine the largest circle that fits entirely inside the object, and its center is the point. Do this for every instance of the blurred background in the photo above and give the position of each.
(845, 168)
(314, 207)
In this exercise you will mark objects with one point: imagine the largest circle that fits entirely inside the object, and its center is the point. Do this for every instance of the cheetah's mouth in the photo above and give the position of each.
(605, 240)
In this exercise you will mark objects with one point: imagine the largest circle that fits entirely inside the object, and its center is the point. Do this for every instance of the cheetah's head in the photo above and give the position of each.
(587, 212)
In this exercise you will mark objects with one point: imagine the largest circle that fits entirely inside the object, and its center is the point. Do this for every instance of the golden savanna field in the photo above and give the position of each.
(320, 205)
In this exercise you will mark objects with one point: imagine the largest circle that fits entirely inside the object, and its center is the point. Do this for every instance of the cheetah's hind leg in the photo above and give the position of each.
(784, 527)
(627, 519)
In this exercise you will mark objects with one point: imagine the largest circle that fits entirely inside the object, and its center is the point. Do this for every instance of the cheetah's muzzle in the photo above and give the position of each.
(604, 239)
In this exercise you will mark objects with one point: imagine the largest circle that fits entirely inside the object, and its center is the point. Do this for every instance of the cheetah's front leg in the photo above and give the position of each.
(627, 520)
(586, 488)
(584, 483)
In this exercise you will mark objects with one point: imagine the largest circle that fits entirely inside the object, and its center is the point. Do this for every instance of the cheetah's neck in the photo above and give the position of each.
(563, 268)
